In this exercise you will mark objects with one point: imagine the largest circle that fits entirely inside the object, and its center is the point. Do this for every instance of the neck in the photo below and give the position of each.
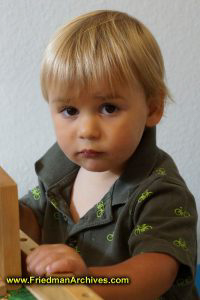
(100, 177)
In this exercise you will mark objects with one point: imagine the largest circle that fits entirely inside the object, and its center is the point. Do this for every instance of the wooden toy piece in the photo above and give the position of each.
(61, 292)
(26, 243)
(10, 257)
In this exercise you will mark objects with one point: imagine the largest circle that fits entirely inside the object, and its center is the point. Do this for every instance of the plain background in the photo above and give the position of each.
(26, 131)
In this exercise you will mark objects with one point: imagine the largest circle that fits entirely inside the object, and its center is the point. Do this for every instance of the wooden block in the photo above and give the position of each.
(10, 259)
(26, 245)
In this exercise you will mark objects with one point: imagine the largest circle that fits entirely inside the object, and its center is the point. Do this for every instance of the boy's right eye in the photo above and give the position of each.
(69, 111)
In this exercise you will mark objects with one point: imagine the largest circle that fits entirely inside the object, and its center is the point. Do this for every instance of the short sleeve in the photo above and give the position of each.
(165, 220)
(36, 200)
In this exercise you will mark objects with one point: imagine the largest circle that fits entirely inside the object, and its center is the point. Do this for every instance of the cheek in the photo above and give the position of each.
(119, 143)
(63, 135)
(127, 139)
(64, 138)
(61, 128)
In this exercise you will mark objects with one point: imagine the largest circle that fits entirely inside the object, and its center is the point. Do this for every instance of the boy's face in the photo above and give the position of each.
(98, 130)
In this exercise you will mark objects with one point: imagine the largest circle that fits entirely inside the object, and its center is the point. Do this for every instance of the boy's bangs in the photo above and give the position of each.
(103, 46)
(84, 60)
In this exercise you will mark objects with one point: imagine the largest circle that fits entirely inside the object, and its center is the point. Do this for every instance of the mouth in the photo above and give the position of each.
(89, 153)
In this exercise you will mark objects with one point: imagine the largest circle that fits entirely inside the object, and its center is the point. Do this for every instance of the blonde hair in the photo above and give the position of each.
(104, 44)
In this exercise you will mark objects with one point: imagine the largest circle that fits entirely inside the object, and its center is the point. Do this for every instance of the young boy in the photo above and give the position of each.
(109, 202)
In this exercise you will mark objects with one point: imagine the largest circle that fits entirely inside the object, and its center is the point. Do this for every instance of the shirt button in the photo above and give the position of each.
(65, 218)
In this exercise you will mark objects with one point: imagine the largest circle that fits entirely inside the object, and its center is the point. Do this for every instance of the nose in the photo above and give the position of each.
(89, 127)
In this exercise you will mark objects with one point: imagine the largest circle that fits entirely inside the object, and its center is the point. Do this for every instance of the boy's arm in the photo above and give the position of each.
(151, 275)
(29, 223)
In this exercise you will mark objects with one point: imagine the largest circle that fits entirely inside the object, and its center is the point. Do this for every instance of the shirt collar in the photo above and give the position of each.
(55, 167)
(138, 167)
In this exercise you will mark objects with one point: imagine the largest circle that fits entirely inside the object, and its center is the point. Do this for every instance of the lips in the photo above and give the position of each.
(89, 153)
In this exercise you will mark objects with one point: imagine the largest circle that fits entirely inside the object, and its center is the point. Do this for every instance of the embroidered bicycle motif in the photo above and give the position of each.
(181, 282)
(181, 212)
(36, 193)
(110, 237)
(181, 243)
(144, 196)
(161, 171)
(100, 209)
(142, 228)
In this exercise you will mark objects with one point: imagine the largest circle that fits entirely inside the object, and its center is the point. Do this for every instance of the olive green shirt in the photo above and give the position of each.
(148, 209)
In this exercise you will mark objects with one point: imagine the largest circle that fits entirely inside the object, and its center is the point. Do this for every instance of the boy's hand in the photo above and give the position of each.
(55, 258)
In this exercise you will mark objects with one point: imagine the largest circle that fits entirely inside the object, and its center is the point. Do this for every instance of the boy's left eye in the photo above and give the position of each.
(108, 108)
(69, 111)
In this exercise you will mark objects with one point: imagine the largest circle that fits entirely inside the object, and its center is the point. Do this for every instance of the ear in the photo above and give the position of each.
(156, 109)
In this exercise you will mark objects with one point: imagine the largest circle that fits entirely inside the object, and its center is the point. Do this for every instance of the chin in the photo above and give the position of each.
(91, 165)
(94, 168)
